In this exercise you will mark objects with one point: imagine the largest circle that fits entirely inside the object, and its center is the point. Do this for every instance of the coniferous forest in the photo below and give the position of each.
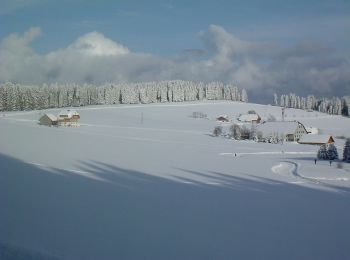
(334, 105)
(15, 97)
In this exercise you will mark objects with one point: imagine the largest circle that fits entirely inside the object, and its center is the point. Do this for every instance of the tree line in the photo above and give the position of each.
(334, 105)
(15, 97)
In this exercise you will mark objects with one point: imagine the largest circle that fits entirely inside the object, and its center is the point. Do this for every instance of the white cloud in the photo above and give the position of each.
(259, 67)
(96, 44)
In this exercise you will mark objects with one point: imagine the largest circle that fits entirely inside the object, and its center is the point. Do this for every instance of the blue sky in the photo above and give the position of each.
(167, 30)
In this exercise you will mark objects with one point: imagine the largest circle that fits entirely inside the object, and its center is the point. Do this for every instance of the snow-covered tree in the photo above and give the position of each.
(345, 107)
(346, 151)
(275, 99)
(217, 131)
(245, 132)
(253, 135)
(332, 152)
(235, 131)
(322, 153)
(282, 103)
(327, 152)
(244, 97)
(19, 97)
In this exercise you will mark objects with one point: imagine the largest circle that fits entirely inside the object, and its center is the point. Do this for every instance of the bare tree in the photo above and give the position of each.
(217, 131)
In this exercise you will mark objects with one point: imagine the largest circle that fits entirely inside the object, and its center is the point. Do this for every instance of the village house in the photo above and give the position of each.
(68, 118)
(316, 139)
(291, 131)
(250, 118)
(48, 120)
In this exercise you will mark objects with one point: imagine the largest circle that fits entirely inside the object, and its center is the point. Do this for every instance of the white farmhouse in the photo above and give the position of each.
(68, 118)
(290, 130)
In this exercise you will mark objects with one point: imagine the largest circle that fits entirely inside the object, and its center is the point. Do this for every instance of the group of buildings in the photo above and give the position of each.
(285, 131)
(64, 118)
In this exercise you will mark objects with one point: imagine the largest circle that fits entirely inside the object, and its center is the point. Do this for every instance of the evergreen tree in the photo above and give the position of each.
(19, 97)
(346, 151)
(332, 152)
(275, 99)
(322, 153)
(345, 108)
(244, 96)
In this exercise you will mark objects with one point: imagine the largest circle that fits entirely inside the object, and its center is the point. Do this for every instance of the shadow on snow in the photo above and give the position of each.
(55, 214)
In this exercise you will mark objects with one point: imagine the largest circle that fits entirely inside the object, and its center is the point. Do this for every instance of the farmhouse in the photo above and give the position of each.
(48, 120)
(68, 118)
(316, 139)
(250, 118)
(290, 130)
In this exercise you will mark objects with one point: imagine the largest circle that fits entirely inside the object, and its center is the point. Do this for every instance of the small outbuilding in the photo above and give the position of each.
(48, 120)
(316, 139)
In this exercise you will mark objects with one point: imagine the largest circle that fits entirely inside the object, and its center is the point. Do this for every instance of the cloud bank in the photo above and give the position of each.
(259, 67)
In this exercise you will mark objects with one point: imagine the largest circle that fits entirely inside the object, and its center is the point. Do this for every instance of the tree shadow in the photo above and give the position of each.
(128, 214)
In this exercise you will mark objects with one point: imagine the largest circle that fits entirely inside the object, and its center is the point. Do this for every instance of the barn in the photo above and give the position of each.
(316, 139)
(48, 120)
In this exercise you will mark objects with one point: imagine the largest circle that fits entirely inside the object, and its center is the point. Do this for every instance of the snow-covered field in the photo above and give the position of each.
(150, 182)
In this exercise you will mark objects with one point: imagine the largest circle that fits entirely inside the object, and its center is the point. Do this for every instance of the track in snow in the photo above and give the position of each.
(290, 168)
(265, 153)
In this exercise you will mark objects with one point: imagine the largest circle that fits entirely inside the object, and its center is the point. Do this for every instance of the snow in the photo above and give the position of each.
(318, 139)
(52, 117)
(150, 182)
(312, 130)
(248, 117)
(67, 113)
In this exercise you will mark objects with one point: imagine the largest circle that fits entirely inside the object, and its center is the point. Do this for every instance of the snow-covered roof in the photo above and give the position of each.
(312, 130)
(52, 117)
(68, 113)
(285, 128)
(222, 118)
(248, 117)
(316, 139)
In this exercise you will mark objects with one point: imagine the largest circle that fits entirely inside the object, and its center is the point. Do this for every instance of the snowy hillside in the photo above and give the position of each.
(150, 182)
